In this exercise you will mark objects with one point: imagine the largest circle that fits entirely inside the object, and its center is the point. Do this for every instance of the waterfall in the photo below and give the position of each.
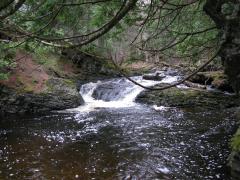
(115, 93)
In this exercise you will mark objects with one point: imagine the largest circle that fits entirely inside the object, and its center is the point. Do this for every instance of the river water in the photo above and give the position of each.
(115, 138)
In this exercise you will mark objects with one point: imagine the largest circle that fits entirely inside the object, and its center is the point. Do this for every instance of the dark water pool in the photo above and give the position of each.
(124, 143)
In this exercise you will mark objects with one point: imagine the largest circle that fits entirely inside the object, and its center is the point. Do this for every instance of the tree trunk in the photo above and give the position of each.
(226, 15)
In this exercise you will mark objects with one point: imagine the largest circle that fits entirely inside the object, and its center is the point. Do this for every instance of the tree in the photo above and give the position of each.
(169, 28)
(226, 15)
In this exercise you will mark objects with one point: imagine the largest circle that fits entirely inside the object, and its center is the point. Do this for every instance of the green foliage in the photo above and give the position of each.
(195, 21)
(37, 18)
(39, 51)
(183, 28)
(235, 142)
(6, 61)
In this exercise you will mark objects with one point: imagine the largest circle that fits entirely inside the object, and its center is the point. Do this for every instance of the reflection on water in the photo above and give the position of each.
(132, 143)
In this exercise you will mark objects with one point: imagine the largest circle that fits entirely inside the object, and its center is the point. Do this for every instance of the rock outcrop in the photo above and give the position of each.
(217, 79)
(58, 96)
(175, 97)
(40, 85)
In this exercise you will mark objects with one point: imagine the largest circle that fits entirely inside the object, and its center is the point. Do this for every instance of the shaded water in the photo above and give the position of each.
(103, 142)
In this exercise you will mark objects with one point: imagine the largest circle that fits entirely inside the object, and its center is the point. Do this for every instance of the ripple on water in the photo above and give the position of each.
(139, 143)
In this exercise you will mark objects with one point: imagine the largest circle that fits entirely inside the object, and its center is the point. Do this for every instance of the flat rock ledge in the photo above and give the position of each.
(175, 97)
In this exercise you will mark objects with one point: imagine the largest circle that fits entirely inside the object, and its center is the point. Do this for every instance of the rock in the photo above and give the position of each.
(217, 79)
(238, 113)
(79, 85)
(175, 97)
(194, 85)
(172, 72)
(222, 84)
(212, 67)
(234, 164)
(155, 77)
(111, 91)
(234, 158)
(61, 94)
(203, 78)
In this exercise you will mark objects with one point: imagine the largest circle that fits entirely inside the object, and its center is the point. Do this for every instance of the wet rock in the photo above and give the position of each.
(217, 79)
(175, 97)
(202, 78)
(172, 72)
(234, 158)
(194, 85)
(155, 77)
(222, 84)
(111, 91)
(61, 94)
(234, 164)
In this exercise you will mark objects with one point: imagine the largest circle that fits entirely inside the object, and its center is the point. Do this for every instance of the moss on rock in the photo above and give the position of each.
(217, 79)
(59, 94)
(175, 97)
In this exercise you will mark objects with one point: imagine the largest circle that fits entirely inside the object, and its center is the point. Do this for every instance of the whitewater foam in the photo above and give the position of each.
(128, 95)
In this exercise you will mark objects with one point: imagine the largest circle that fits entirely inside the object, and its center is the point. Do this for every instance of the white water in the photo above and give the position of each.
(128, 95)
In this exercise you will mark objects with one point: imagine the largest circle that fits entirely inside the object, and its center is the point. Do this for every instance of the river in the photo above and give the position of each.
(115, 138)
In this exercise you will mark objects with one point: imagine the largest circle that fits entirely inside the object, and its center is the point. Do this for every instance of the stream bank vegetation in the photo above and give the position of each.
(195, 35)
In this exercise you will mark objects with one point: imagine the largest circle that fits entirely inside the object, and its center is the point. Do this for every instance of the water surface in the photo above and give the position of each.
(117, 139)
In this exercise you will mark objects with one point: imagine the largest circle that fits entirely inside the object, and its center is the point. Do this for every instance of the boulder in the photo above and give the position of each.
(222, 84)
(217, 79)
(203, 78)
(154, 77)
(172, 72)
(111, 91)
(61, 94)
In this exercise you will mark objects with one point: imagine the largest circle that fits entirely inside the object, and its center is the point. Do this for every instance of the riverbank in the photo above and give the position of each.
(49, 82)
